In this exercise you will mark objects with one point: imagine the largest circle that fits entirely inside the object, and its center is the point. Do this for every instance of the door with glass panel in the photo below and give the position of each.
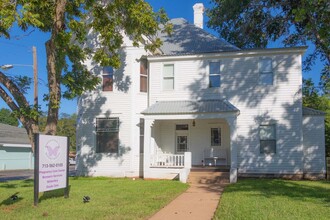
(181, 143)
(181, 138)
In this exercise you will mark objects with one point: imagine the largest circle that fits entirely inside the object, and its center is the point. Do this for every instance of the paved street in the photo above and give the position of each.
(8, 175)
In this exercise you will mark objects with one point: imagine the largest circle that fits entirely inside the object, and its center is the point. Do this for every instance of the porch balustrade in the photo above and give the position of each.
(167, 160)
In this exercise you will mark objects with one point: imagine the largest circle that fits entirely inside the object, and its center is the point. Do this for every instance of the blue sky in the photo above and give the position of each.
(18, 50)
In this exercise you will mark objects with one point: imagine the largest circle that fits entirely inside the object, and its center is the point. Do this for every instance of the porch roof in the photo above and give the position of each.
(190, 107)
(314, 112)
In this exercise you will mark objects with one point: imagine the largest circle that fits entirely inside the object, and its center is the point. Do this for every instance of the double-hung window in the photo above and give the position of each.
(214, 74)
(143, 76)
(107, 135)
(266, 75)
(168, 77)
(267, 136)
(107, 78)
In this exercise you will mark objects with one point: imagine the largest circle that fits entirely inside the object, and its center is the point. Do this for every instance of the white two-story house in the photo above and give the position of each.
(199, 101)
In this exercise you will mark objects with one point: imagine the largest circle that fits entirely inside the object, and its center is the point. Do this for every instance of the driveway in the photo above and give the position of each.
(8, 175)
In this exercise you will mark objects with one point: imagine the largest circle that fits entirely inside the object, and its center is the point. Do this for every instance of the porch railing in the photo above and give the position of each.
(167, 160)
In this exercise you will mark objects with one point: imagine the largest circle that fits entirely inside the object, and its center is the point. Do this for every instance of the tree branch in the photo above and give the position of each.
(14, 90)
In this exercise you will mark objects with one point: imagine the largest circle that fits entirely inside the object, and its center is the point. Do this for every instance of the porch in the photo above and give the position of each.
(174, 142)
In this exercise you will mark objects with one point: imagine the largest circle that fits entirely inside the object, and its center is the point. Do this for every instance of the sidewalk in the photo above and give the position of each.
(198, 202)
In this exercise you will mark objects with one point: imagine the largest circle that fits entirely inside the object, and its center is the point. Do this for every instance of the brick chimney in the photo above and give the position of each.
(198, 14)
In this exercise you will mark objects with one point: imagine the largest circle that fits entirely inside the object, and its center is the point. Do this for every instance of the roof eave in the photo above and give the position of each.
(237, 53)
(190, 113)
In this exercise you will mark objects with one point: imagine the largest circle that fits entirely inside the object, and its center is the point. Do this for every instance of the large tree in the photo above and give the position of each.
(71, 24)
(255, 23)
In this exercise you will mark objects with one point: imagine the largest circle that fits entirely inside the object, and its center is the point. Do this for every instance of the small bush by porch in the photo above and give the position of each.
(275, 199)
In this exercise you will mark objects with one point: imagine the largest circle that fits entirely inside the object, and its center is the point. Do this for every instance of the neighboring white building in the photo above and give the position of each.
(199, 101)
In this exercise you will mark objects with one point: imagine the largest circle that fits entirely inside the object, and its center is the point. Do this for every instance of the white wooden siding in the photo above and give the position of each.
(279, 103)
(125, 102)
(314, 150)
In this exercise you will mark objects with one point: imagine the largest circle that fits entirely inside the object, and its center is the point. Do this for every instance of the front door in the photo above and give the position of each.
(181, 142)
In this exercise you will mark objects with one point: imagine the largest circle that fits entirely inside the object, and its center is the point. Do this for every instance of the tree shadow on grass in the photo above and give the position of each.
(9, 185)
(28, 183)
(294, 190)
(10, 201)
(54, 194)
(23, 183)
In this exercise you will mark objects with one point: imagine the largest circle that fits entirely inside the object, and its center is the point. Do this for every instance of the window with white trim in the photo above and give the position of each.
(107, 78)
(168, 77)
(266, 75)
(214, 74)
(143, 76)
(267, 136)
(107, 135)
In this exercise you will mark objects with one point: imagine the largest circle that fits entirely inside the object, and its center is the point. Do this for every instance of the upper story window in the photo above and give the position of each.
(214, 74)
(143, 76)
(107, 78)
(266, 75)
(267, 136)
(168, 77)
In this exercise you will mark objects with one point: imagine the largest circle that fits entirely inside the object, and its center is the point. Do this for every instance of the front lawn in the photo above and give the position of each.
(109, 199)
(275, 199)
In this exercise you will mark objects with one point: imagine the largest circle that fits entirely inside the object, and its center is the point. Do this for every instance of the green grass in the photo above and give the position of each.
(275, 199)
(110, 199)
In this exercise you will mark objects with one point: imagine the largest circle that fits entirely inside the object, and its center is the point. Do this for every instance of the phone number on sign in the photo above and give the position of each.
(50, 165)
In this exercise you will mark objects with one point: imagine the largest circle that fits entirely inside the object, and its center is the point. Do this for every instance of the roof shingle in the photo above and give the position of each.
(13, 135)
(188, 39)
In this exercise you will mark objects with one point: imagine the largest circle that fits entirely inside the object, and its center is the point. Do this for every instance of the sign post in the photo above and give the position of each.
(51, 167)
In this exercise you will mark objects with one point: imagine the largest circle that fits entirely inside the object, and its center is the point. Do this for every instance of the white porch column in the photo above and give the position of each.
(233, 149)
(187, 160)
(147, 143)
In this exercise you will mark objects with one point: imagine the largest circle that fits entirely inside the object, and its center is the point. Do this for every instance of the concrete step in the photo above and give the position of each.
(210, 169)
(203, 177)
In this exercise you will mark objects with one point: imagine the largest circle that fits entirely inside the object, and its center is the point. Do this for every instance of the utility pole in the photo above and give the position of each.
(35, 77)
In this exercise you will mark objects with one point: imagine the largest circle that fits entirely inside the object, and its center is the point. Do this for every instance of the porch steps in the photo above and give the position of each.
(208, 177)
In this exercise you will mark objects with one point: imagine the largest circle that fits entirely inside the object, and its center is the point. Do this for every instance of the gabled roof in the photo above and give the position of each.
(190, 107)
(310, 111)
(188, 39)
(13, 135)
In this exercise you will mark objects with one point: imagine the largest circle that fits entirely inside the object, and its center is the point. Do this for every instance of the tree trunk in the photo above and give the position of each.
(54, 89)
(54, 68)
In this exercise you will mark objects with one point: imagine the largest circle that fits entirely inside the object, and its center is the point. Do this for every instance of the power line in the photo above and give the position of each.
(17, 45)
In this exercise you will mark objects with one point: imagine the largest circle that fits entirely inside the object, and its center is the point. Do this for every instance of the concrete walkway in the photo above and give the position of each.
(198, 202)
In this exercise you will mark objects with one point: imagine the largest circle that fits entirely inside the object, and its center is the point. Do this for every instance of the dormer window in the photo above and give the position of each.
(107, 78)
(266, 75)
(214, 74)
